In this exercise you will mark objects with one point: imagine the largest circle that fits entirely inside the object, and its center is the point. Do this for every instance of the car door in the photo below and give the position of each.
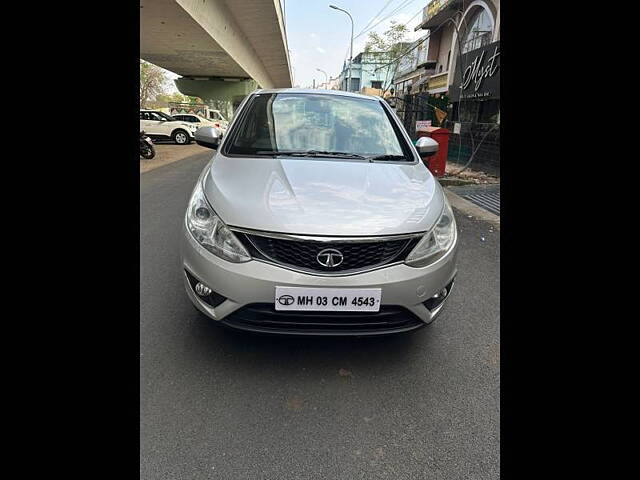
(161, 125)
(151, 123)
(185, 118)
(144, 122)
(193, 120)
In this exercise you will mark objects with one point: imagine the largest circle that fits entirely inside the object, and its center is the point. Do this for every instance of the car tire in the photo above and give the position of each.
(181, 137)
(148, 153)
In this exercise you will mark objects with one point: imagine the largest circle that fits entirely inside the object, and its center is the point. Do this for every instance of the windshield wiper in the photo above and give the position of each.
(310, 153)
(279, 152)
(325, 153)
(387, 157)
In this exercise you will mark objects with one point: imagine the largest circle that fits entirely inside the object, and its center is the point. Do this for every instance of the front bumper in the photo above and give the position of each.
(249, 290)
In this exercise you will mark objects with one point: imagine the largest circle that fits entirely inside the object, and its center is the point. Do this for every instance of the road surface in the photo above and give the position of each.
(220, 404)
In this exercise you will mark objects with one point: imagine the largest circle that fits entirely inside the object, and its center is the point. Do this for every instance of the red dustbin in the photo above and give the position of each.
(438, 162)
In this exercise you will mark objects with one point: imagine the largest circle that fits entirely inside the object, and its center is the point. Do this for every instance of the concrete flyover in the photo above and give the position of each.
(222, 49)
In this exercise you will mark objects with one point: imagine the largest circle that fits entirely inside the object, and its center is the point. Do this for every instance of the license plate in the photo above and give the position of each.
(328, 299)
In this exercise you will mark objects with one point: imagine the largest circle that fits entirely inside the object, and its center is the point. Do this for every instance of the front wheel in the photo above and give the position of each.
(180, 137)
(147, 151)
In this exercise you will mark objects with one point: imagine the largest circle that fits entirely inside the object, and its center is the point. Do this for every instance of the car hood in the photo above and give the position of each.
(323, 197)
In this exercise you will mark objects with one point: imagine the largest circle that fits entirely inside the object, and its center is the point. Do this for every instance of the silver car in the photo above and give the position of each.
(317, 216)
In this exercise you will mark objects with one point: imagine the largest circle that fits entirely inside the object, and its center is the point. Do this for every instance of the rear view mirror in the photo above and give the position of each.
(207, 137)
(427, 146)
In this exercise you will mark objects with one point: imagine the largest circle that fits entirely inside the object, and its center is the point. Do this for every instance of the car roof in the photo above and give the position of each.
(316, 92)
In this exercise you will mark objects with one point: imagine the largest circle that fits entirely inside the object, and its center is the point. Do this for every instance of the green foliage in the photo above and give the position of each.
(153, 88)
(392, 41)
(163, 99)
(153, 81)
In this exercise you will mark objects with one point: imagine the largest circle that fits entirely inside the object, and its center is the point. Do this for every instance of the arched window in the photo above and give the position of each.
(479, 30)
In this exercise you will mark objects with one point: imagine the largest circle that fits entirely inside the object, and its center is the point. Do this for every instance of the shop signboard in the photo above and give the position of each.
(420, 124)
(480, 77)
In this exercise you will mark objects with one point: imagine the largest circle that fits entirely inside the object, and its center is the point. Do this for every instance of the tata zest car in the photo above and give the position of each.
(316, 215)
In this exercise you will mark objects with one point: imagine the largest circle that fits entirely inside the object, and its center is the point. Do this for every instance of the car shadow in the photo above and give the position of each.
(284, 354)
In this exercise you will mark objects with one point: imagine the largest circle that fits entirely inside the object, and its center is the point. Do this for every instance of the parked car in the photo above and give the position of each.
(201, 109)
(317, 215)
(159, 125)
(199, 121)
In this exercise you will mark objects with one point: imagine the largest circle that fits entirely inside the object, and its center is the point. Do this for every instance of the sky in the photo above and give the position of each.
(319, 36)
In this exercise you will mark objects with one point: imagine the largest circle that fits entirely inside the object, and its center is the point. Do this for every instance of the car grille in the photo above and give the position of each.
(303, 254)
(263, 317)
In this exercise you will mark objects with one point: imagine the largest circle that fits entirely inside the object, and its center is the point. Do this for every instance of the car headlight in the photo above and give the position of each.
(436, 243)
(210, 232)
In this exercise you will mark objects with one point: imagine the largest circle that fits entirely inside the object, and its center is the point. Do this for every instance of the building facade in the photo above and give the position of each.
(334, 83)
(368, 70)
(414, 68)
(464, 42)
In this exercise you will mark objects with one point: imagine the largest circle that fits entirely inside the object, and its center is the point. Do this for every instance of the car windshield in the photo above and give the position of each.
(316, 125)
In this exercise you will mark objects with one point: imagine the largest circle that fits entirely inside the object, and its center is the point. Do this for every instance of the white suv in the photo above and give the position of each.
(199, 121)
(162, 126)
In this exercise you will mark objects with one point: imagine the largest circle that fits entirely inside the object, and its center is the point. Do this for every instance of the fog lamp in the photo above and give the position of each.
(202, 290)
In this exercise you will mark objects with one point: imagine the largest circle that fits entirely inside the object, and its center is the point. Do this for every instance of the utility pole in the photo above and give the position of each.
(314, 83)
(351, 48)
(326, 78)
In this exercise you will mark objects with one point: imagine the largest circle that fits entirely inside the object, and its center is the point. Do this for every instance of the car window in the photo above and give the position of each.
(179, 117)
(164, 116)
(155, 116)
(336, 123)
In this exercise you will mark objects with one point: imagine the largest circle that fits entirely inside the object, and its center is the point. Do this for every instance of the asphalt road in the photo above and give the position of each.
(221, 404)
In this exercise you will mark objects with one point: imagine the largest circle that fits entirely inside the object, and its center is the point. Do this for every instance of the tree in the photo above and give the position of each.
(177, 97)
(392, 42)
(153, 82)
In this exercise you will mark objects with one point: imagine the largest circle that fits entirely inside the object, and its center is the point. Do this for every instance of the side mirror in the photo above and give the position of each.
(207, 137)
(427, 146)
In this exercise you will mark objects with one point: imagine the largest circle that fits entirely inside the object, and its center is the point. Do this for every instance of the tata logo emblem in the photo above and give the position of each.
(285, 300)
(330, 257)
